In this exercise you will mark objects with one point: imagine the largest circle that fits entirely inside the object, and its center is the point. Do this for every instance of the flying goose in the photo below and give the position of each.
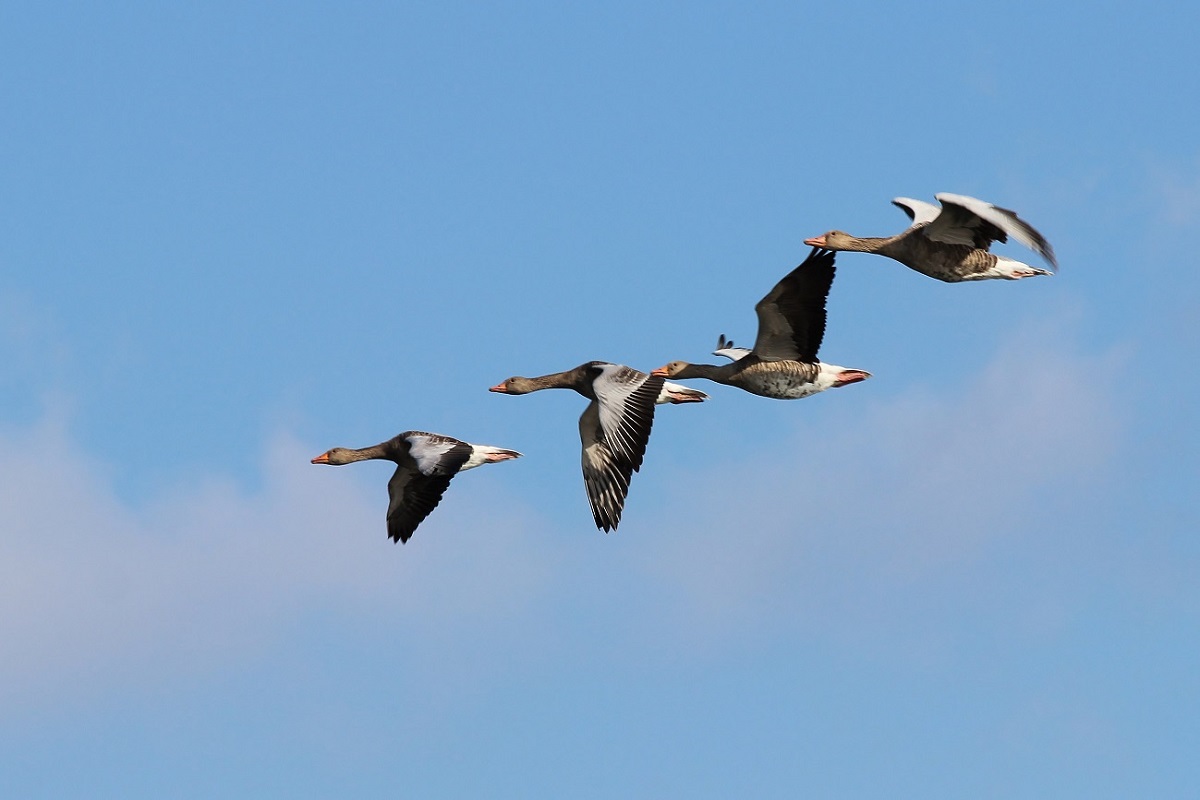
(613, 429)
(791, 323)
(425, 463)
(951, 243)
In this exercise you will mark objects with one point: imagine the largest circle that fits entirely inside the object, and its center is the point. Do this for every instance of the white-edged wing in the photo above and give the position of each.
(614, 430)
(726, 348)
(966, 220)
(605, 476)
(626, 397)
(421, 479)
(435, 454)
(918, 211)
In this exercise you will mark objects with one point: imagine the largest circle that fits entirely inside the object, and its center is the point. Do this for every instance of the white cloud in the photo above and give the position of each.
(882, 532)
(92, 589)
(1178, 191)
(859, 531)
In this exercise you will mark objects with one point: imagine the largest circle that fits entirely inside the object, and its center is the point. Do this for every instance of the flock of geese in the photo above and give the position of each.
(951, 244)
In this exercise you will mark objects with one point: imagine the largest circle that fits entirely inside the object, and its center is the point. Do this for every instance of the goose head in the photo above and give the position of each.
(514, 385)
(833, 240)
(671, 370)
(337, 456)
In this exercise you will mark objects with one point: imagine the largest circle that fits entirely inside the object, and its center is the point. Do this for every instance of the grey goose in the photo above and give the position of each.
(952, 243)
(614, 428)
(783, 363)
(425, 463)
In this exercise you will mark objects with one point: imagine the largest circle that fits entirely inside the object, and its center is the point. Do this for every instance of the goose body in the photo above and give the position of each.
(951, 243)
(425, 464)
(779, 380)
(614, 428)
(783, 363)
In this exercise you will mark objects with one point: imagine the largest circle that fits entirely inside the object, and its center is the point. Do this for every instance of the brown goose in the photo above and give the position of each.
(613, 429)
(951, 243)
(425, 463)
(791, 323)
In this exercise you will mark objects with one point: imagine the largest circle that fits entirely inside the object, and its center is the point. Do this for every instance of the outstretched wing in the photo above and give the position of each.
(626, 397)
(413, 496)
(918, 211)
(965, 220)
(614, 430)
(791, 318)
(605, 476)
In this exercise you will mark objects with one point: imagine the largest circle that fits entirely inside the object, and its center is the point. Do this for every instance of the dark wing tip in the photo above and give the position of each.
(400, 533)
(911, 214)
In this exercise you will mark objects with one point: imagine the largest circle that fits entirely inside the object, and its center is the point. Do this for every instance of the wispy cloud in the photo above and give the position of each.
(1177, 191)
(92, 589)
(884, 532)
(875, 527)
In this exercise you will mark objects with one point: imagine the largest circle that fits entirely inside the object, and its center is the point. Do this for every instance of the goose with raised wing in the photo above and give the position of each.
(425, 463)
(952, 243)
(614, 428)
(783, 363)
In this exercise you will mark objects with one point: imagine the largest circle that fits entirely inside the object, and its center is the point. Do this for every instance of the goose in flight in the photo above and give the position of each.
(783, 363)
(425, 463)
(952, 243)
(613, 429)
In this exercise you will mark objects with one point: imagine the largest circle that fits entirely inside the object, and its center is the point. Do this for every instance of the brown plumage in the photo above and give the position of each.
(614, 429)
(791, 324)
(952, 243)
(425, 463)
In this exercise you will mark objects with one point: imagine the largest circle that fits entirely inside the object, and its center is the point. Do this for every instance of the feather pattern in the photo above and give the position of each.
(791, 325)
(951, 243)
(791, 318)
(605, 476)
(614, 429)
(412, 497)
(425, 464)
(991, 223)
(435, 454)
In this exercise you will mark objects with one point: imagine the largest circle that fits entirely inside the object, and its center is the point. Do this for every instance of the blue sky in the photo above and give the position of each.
(235, 237)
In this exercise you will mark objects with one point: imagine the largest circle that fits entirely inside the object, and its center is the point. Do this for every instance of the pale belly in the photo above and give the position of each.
(781, 386)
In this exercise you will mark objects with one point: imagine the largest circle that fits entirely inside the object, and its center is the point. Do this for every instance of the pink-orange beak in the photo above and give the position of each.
(816, 241)
(661, 372)
(849, 376)
(499, 387)
(321, 459)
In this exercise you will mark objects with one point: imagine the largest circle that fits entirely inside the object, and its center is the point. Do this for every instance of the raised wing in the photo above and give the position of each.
(725, 348)
(413, 497)
(791, 318)
(918, 211)
(966, 220)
